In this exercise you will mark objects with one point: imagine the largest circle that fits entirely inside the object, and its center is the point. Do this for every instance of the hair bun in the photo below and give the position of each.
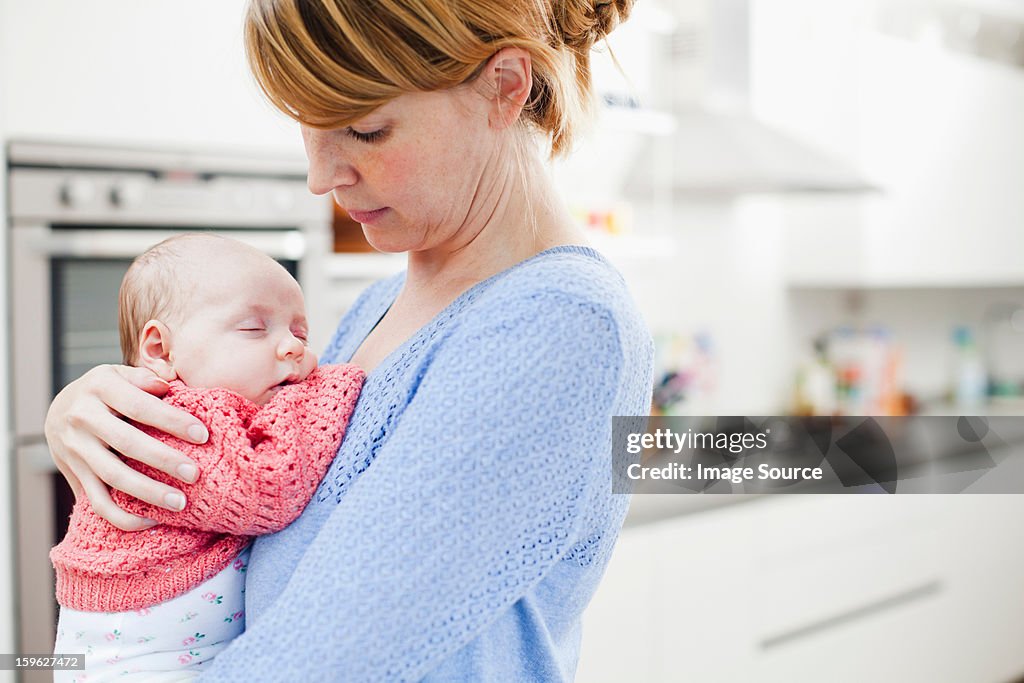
(584, 22)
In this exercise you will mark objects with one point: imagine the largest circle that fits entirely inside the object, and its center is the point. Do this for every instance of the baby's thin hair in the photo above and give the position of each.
(153, 289)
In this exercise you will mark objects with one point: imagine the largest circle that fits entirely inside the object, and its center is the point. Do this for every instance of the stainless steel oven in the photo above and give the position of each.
(78, 216)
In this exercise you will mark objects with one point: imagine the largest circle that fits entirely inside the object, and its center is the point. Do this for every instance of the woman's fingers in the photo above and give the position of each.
(92, 457)
(125, 438)
(147, 409)
(85, 418)
(118, 393)
(103, 504)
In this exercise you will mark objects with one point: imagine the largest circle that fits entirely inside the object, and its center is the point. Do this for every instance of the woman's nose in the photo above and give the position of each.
(328, 167)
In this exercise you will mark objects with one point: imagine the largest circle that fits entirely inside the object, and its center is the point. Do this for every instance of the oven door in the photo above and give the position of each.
(64, 288)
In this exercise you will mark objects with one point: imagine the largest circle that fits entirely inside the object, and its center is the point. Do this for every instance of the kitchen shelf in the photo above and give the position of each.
(1007, 406)
(373, 266)
(368, 266)
(880, 284)
(633, 247)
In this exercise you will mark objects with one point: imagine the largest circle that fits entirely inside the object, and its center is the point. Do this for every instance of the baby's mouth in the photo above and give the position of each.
(291, 379)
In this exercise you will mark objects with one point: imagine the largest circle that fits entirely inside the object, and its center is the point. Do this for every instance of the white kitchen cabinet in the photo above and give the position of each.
(937, 130)
(850, 589)
(809, 588)
(986, 569)
(619, 632)
(671, 606)
(941, 132)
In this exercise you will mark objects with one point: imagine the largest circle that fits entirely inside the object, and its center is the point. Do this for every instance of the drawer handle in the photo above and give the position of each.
(881, 605)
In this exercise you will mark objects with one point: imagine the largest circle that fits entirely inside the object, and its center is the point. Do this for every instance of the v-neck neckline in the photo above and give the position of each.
(396, 353)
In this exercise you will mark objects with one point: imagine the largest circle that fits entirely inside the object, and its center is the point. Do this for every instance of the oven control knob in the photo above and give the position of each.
(77, 192)
(126, 194)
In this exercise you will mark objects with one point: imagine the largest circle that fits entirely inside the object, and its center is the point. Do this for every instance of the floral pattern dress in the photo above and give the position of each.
(171, 641)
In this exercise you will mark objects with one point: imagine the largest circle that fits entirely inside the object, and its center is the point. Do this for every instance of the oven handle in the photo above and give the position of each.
(94, 243)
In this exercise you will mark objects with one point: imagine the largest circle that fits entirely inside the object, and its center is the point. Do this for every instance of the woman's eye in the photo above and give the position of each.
(371, 136)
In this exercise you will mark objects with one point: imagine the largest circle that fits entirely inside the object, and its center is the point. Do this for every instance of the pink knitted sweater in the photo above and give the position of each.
(258, 470)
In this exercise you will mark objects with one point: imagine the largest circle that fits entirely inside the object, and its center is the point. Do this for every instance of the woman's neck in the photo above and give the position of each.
(519, 215)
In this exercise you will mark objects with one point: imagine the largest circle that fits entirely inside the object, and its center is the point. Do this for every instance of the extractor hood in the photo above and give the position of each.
(718, 148)
(730, 152)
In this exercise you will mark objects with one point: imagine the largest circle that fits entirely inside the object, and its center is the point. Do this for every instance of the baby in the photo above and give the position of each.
(225, 325)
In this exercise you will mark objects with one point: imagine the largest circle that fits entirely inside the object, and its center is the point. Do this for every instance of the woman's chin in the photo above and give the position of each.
(386, 243)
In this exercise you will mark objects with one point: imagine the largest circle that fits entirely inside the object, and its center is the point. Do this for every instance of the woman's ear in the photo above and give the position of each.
(155, 350)
(508, 77)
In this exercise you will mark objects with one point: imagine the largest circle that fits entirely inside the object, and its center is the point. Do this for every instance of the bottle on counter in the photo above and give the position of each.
(846, 355)
(816, 383)
(970, 383)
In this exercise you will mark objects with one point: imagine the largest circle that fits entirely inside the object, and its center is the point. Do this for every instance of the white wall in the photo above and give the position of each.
(6, 501)
(168, 72)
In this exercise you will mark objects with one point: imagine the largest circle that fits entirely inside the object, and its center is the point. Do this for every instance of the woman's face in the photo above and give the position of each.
(418, 172)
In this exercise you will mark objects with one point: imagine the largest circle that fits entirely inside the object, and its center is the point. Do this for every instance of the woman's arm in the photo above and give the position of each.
(84, 424)
(477, 494)
(262, 464)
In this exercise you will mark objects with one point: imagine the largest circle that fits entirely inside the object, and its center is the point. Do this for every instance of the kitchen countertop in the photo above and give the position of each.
(647, 508)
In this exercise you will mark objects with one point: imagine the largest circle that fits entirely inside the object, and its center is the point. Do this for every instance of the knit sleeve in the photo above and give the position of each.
(260, 466)
(477, 494)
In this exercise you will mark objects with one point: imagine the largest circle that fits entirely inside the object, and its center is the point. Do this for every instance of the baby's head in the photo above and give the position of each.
(214, 312)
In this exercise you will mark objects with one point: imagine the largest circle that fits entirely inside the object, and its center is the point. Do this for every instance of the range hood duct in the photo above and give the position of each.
(718, 147)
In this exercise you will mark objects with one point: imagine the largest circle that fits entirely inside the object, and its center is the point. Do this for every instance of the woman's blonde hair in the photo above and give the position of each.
(328, 63)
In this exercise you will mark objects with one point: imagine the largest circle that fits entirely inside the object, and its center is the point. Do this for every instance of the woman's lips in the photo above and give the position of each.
(366, 216)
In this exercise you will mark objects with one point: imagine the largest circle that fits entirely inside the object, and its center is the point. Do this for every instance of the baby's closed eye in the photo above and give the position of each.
(252, 326)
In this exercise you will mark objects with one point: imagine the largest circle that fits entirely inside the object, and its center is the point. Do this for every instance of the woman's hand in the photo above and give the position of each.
(84, 423)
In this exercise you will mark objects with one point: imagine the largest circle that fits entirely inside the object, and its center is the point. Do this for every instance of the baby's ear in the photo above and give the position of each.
(155, 350)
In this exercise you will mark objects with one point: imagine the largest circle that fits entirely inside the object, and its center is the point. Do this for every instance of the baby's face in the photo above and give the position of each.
(245, 327)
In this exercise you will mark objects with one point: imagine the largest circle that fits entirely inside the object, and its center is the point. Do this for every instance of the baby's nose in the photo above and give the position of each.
(291, 346)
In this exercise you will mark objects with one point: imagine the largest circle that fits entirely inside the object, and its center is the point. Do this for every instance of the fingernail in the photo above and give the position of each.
(175, 501)
(149, 522)
(198, 434)
(187, 473)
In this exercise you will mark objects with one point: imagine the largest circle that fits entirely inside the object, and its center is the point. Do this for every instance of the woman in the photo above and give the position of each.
(468, 515)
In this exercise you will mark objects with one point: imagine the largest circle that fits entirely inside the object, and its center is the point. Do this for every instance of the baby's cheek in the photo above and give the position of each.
(308, 363)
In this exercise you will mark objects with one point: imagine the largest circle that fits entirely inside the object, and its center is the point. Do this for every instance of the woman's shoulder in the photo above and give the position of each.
(561, 278)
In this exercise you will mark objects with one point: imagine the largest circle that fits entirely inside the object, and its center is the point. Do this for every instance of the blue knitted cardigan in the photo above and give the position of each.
(468, 516)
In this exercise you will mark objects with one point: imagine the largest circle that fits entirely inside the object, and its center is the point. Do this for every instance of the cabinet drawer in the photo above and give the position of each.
(832, 588)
